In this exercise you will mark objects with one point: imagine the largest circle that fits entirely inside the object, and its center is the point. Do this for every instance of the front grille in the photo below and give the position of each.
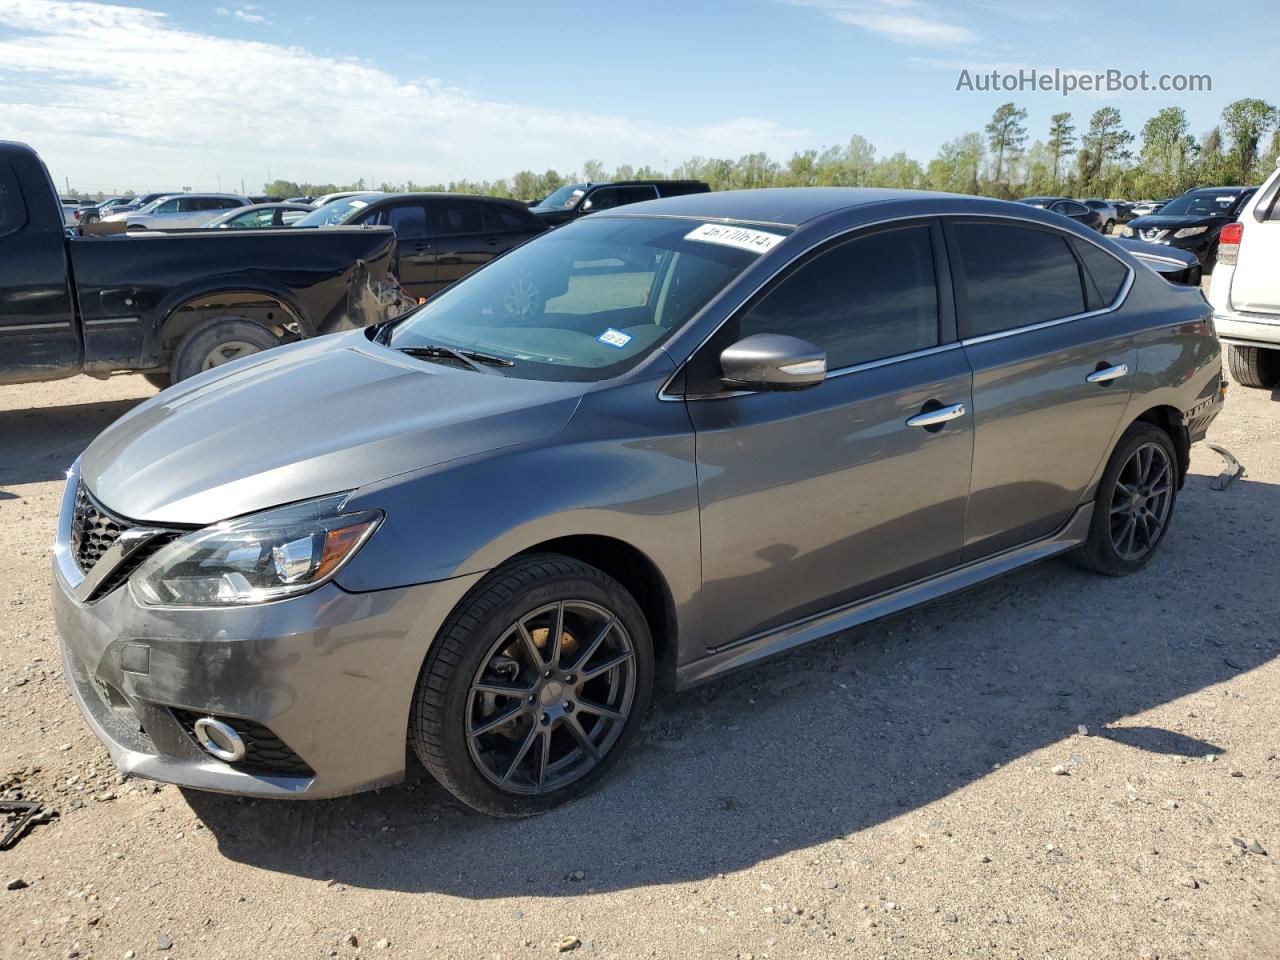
(264, 751)
(93, 530)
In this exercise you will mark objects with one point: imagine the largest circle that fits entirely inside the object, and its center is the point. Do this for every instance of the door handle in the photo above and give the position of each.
(1107, 374)
(492, 241)
(936, 418)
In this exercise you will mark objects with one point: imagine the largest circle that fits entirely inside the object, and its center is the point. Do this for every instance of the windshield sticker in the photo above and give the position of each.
(614, 338)
(756, 241)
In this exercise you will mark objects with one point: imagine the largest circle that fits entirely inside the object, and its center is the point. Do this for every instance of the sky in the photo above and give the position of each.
(167, 94)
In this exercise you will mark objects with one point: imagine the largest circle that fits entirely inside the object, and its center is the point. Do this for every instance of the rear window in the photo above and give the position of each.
(1108, 273)
(1013, 276)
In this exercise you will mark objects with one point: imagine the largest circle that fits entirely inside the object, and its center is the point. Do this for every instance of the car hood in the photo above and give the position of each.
(315, 418)
(1155, 221)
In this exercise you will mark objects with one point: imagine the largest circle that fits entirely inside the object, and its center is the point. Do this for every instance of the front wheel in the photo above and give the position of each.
(1134, 503)
(534, 687)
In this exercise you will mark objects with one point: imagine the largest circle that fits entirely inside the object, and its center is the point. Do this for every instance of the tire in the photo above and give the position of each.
(158, 380)
(1101, 552)
(1254, 366)
(218, 341)
(1109, 227)
(134, 228)
(491, 630)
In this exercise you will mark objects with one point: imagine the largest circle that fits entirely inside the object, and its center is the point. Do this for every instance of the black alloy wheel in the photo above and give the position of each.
(1141, 501)
(1134, 503)
(551, 697)
(534, 687)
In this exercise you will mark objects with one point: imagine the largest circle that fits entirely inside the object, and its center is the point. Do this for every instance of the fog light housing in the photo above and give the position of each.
(219, 739)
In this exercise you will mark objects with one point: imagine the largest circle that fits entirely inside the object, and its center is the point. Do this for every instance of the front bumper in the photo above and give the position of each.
(331, 674)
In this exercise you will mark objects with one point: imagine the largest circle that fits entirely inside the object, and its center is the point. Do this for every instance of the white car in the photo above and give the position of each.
(1245, 291)
(179, 210)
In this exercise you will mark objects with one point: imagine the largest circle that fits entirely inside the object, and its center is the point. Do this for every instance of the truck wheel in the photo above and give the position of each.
(217, 342)
(534, 687)
(158, 380)
(1254, 366)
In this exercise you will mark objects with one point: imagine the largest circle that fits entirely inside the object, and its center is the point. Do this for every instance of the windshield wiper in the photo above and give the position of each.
(472, 358)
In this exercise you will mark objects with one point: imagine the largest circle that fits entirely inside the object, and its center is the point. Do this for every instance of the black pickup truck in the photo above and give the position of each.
(170, 305)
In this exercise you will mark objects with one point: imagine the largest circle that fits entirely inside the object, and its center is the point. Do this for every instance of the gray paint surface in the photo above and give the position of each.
(769, 519)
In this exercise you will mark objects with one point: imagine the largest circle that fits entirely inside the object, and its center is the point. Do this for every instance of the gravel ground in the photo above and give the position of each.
(1052, 765)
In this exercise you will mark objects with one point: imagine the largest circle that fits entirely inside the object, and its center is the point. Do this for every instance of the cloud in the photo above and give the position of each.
(117, 96)
(902, 21)
(249, 13)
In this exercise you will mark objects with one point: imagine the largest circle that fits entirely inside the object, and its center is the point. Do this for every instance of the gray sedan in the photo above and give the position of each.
(651, 446)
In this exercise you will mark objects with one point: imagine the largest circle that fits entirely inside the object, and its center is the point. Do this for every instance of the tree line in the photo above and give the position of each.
(1098, 158)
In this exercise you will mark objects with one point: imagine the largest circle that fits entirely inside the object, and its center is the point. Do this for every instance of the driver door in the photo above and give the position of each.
(816, 498)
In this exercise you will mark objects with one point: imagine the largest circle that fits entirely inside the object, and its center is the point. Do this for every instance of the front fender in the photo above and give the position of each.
(638, 486)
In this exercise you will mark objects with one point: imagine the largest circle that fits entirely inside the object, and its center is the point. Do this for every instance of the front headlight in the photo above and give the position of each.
(265, 556)
(1189, 232)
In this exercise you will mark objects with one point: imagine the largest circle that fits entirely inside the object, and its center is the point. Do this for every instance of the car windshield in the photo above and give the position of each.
(562, 199)
(1201, 205)
(585, 302)
(333, 213)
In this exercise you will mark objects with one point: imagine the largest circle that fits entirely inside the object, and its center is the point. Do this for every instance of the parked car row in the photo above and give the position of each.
(169, 305)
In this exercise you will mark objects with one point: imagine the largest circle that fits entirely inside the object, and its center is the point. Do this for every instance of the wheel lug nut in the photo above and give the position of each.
(567, 705)
(570, 679)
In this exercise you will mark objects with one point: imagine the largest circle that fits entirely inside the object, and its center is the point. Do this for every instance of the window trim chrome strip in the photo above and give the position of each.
(897, 358)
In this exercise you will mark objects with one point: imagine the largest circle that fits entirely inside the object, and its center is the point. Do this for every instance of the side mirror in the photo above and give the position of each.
(586, 206)
(772, 361)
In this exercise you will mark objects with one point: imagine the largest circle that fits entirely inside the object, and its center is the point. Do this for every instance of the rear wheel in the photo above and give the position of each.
(1254, 366)
(534, 688)
(216, 342)
(158, 380)
(1109, 227)
(1134, 503)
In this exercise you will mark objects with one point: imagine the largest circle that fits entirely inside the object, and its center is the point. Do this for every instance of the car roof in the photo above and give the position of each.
(782, 206)
(1205, 190)
(442, 195)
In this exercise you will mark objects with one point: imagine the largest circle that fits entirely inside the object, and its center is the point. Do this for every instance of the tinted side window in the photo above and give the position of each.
(169, 206)
(458, 217)
(501, 220)
(409, 221)
(864, 300)
(608, 197)
(1108, 273)
(13, 209)
(1010, 276)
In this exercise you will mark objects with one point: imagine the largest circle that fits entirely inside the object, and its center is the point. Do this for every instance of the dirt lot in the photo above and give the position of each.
(922, 787)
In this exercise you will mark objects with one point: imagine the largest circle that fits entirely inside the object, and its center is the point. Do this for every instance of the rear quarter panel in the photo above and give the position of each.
(1178, 355)
(127, 286)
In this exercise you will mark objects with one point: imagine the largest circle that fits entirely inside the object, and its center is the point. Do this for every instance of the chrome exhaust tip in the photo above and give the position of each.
(219, 739)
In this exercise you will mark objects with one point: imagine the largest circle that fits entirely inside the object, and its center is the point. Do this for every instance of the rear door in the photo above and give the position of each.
(39, 339)
(815, 498)
(465, 239)
(415, 244)
(1255, 284)
(1051, 377)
